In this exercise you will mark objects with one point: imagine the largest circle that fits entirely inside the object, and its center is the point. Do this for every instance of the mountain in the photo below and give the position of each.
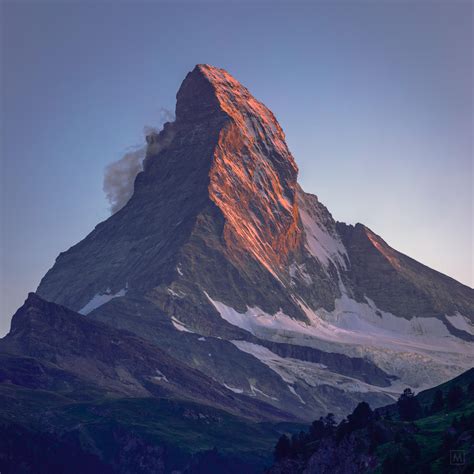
(114, 361)
(222, 261)
(79, 396)
(439, 438)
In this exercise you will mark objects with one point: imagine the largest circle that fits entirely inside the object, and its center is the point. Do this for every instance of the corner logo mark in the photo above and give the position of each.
(457, 458)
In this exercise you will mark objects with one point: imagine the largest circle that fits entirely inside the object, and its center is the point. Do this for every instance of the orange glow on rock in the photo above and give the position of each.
(253, 177)
(386, 251)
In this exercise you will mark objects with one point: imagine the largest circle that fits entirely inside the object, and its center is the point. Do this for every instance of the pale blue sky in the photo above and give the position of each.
(375, 99)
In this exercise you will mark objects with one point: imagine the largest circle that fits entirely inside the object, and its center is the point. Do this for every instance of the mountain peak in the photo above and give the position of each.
(251, 166)
(208, 89)
(220, 173)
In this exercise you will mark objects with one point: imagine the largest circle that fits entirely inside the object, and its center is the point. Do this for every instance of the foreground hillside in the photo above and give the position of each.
(430, 433)
(79, 396)
(48, 425)
(42, 431)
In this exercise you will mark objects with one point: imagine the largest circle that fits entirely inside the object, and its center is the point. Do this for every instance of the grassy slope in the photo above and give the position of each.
(426, 397)
(430, 439)
(433, 427)
(185, 428)
(422, 446)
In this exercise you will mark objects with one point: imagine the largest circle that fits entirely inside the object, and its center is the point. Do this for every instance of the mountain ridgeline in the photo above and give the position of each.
(223, 297)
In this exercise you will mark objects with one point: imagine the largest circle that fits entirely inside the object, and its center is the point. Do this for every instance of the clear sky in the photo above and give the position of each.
(375, 99)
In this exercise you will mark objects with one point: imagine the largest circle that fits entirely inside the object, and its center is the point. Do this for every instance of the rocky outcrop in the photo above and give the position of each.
(75, 349)
(397, 283)
(218, 190)
(356, 367)
(347, 457)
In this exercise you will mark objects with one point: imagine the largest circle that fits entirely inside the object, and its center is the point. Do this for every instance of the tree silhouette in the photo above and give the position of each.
(408, 406)
(282, 448)
(329, 423)
(317, 429)
(361, 416)
(298, 441)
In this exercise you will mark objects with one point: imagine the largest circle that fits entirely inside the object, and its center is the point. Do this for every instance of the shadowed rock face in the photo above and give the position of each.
(286, 305)
(398, 283)
(71, 348)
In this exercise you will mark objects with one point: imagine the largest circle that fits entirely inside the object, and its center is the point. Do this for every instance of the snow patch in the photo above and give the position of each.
(233, 389)
(266, 356)
(293, 391)
(320, 243)
(100, 299)
(179, 325)
(299, 272)
(255, 391)
(351, 322)
(174, 293)
(311, 373)
(461, 322)
(256, 321)
(160, 377)
(420, 351)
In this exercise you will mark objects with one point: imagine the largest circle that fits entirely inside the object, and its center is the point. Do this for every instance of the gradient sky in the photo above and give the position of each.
(375, 99)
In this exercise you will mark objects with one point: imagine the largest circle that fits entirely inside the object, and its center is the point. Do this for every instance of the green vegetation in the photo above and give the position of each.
(418, 434)
(427, 448)
(86, 431)
(181, 429)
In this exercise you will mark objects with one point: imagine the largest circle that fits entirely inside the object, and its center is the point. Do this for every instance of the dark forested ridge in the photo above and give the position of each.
(85, 431)
(432, 432)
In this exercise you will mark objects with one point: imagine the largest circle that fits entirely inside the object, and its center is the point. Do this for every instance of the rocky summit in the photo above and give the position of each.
(222, 282)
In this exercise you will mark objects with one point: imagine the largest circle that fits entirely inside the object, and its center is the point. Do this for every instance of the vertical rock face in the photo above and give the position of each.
(253, 176)
(222, 260)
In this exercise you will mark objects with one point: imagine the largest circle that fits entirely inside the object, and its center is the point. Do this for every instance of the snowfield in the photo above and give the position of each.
(461, 322)
(320, 243)
(420, 351)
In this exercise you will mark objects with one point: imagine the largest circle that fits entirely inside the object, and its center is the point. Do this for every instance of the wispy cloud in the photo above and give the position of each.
(119, 176)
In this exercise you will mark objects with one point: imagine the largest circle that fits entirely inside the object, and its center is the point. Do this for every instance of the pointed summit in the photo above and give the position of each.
(221, 173)
(196, 98)
(252, 173)
(208, 90)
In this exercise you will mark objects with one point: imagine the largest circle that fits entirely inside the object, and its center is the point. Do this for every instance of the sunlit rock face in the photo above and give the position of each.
(220, 259)
(253, 176)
